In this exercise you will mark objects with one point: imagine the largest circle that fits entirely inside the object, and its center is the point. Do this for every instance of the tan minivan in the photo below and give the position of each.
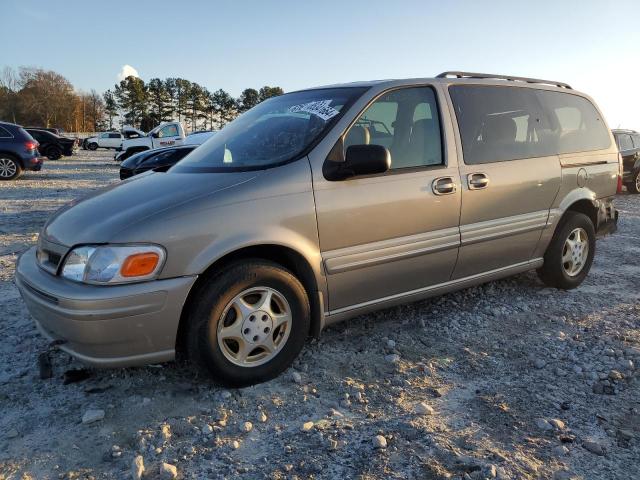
(320, 205)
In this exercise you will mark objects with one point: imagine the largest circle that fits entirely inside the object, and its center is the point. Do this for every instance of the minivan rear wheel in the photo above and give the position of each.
(10, 168)
(569, 256)
(248, 323)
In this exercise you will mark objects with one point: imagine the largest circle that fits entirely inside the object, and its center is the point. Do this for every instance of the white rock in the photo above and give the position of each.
(236, 444)
(424, 409)
(297, 378)
(542, 424)
(557, 424)
(262, 417)
(207, 429)
(168, 471)
(91, 416)
(137, 469)
(306, 426)
(379, 442)
(247, 426)
(560, 451)
(594, 447)
(391, 344)
(393, 358)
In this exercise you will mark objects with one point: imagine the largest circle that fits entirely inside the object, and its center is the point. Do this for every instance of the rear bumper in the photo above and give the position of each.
(607, 218)
(105, 326)
(34, 163)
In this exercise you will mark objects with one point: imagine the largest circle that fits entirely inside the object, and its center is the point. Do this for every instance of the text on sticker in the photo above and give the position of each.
(320, 108)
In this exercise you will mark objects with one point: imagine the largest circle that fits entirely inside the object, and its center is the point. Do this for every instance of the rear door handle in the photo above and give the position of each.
(443, 186)
(477, 181)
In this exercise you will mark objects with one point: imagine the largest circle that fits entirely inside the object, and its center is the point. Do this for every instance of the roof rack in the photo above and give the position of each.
(502, 77)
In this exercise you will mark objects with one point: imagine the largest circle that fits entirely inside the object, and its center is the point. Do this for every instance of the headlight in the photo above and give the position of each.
(108, 264)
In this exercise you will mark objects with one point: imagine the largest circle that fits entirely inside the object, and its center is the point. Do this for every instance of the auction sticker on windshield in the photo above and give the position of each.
(319, 108)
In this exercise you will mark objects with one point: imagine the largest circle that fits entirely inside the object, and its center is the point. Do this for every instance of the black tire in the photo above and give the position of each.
(206, 312)
(54, 153)
(92, 146)
(10, 168)
(634, 185)
(553, 273)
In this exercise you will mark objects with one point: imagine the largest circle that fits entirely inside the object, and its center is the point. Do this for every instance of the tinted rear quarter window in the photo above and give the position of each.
(4, 133)
(509, 123)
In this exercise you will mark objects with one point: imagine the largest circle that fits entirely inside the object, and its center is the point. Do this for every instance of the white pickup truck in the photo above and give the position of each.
(167, 134)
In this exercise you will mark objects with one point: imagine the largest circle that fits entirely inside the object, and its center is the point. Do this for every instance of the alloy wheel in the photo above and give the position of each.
(254, 326)
(8, 168)
(575, 252)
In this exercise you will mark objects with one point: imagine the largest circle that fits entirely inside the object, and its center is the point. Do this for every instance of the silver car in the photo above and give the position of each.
(320, 205)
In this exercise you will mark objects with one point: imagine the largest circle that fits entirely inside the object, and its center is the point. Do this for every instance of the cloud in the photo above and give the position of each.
(127, 71)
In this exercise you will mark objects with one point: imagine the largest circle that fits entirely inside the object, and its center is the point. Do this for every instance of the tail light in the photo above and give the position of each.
(620, 167)
(30, 145)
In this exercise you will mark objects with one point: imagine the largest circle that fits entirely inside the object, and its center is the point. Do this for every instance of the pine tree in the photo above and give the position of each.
(110, 106)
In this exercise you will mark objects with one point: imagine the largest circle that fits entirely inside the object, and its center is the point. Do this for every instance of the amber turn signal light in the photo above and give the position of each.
(140, 264)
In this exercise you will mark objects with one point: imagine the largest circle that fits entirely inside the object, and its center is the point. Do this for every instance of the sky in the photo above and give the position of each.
(592, 45)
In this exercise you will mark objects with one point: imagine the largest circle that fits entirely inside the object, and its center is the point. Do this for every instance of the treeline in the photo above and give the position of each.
(37, 97)
(147, 104)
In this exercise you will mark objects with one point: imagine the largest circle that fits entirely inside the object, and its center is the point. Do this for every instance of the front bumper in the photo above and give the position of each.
(105, 326)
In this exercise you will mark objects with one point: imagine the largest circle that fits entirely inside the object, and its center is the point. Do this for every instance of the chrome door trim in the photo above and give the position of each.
(345, 312)
(503, 227)
(376, 253)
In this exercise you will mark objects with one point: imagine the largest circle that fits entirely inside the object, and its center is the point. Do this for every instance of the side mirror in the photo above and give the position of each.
(155, 135)
(360, 160)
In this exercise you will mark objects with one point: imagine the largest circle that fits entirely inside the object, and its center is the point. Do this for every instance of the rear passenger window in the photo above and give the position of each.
(509, 123)
(4, 133)
(624, 142)
(577, 124)
(406, 122)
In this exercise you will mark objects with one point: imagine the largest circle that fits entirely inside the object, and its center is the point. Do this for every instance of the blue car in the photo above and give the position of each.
(18, 152)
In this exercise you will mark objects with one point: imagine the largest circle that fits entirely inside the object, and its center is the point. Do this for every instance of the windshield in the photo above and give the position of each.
(273, 132)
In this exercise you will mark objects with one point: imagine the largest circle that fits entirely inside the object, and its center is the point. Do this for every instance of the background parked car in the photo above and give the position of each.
(629, 145)
(167, 134)
(55, 131)
(104, 140)
(18, 151)
(52, 146)
(150, 159)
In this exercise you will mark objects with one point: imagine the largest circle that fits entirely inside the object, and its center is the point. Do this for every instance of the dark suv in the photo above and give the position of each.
(629, 146)
(18, 152)
(51, 145)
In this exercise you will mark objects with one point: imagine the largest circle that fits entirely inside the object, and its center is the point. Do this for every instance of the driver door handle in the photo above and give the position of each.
(443, 186)
(477, 181)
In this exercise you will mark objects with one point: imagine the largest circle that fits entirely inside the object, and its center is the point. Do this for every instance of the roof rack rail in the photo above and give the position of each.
(502, 77)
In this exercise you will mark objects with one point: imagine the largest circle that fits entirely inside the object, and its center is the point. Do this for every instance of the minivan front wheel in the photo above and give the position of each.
(569, 256)
(248, 323)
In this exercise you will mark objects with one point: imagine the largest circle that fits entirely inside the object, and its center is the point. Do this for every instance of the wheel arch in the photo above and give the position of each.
(285, 256)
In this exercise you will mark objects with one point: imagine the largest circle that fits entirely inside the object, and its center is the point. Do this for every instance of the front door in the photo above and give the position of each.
(510, 175)
(388, 235)
(168, 136)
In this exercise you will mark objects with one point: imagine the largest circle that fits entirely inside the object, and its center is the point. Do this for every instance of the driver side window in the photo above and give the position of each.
(168, 131)
(406, 122)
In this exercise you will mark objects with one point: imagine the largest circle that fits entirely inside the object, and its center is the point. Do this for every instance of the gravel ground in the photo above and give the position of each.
(508, 380)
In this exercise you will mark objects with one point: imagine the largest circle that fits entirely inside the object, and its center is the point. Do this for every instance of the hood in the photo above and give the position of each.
(101, 216)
